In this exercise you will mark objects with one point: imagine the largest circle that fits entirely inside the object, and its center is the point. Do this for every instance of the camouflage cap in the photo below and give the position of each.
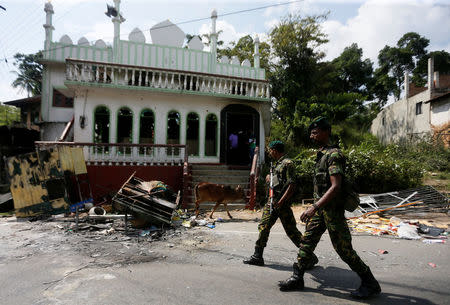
(319, 122)
(277, 145)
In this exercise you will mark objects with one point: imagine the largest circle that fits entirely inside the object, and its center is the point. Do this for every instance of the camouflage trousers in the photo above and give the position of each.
(330, 218)
(287, 220)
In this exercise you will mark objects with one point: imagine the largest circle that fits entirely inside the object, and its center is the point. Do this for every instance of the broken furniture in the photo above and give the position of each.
(134, 196)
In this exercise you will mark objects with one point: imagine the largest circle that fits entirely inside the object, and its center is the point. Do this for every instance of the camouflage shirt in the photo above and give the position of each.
(283, 175)
(329, 161)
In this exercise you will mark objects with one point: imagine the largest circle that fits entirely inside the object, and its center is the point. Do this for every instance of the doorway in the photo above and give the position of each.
(239, 134)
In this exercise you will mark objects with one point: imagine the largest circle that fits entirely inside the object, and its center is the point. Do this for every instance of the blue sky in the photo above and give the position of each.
(371, 23)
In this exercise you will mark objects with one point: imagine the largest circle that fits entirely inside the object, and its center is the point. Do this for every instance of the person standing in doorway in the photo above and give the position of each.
(233, 144)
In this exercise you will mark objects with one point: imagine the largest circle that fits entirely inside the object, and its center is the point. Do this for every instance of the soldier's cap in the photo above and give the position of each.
(277, 145)
(319, 122)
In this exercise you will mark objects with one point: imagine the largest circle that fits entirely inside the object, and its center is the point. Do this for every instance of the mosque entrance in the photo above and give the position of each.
(239, 134)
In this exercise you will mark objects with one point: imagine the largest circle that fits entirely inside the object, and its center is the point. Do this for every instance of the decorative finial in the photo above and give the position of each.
(214, 13)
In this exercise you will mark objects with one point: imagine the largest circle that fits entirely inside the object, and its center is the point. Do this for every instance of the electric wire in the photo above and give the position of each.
(191, 21)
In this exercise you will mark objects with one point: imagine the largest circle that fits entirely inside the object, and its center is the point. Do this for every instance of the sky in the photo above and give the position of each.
(371, 24)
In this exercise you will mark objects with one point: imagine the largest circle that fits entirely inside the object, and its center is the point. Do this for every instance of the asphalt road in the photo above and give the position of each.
(43, 263)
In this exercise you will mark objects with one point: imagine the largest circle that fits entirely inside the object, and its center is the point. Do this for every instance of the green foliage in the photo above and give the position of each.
(245, 48)
(395, 61)
(295, 69)
(352, 72)
(376, 168)
(9, 114)
(441, 64)
(29, 74)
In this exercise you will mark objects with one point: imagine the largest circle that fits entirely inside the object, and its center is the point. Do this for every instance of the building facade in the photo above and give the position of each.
(164, 92)
(424, 111)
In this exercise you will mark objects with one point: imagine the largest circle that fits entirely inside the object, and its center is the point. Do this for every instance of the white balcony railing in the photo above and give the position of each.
(127, 154)
(175, 80)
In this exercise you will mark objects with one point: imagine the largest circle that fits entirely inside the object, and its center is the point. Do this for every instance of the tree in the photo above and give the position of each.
(353, 74)
(244, 49)
(395, 61)
(441, 64)
(29, 74)
(295, 60)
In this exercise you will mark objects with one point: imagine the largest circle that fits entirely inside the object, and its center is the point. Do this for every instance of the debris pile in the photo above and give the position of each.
(432, 232)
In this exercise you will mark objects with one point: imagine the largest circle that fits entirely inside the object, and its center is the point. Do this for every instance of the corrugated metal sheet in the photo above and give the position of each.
(37, 180)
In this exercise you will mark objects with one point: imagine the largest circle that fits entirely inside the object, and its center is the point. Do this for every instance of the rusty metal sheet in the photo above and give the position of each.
(65, 158)
(79, 164)
(37, 184)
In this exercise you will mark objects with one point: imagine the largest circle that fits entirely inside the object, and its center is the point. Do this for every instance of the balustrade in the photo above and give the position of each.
(106, 73)
(127, 154)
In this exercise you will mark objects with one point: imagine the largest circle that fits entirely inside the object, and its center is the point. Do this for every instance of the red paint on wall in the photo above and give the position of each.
(108, 179)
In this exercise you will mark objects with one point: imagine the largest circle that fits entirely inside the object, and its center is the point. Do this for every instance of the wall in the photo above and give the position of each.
(440, 112)
(401, 121)
(54, 76)
(160, 104)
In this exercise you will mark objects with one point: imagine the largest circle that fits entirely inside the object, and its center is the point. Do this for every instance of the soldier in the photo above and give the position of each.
(328, 213)
(283, 188)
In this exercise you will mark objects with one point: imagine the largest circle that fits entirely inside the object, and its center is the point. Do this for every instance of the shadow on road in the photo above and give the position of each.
(338, 283)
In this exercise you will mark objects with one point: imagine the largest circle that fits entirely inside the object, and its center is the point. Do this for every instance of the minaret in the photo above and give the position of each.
(116, 43)
(48, 26)
(213, 35)
(256, 54)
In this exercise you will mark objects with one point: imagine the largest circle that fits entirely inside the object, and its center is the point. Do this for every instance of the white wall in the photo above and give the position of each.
(401, 120)
(54, 75)
(440, 112)
(160, 104)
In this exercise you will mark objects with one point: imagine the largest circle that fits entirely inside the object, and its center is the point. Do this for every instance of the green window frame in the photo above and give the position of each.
(173, 130)
(193, 133)
(211, 135)
(124, 123)
(101, 128)
(147, 123)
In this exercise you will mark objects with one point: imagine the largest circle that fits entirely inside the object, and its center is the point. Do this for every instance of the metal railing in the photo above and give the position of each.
(185, 81)
(127, 154)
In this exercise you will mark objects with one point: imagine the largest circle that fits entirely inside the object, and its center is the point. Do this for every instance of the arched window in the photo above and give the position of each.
(125, 127)
(146, 128)
(101, 125)
(192, 134)
(173, 130)
(211, 135)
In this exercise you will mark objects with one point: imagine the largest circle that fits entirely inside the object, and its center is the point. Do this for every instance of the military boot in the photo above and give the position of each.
(369, 286)
(295, 282)
(257, 257)
(313, 262)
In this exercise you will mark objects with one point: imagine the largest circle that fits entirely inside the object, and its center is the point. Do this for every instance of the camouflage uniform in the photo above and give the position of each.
(283, 175)
(329, 161)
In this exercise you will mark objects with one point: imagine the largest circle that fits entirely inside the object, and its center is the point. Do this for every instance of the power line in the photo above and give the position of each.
(190, 21)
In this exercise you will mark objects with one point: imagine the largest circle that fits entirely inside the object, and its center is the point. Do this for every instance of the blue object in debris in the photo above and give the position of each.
(210, 226)
(80, 204)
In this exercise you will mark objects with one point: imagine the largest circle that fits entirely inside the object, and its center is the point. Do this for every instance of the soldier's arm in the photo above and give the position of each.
(289, 173)
(336, 164)
(287, 194)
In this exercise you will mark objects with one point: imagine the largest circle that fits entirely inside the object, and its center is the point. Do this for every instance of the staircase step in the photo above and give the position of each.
(221, 179)
(216, 172)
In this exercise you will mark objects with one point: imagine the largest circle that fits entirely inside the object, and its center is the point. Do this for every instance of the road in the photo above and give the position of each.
(44, 263)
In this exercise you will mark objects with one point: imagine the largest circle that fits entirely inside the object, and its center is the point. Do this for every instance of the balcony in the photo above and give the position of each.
(89, 73)
(127, 154)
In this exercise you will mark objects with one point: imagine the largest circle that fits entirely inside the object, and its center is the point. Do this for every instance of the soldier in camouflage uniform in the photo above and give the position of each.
(328, 213)
(283, 188)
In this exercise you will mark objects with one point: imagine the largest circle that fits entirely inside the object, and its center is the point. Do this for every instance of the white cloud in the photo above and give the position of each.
(381, 23)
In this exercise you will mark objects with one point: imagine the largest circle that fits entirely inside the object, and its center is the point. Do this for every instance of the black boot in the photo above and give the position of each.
(369, 286)
(295, 282)
(314, 261)
(257, 257)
